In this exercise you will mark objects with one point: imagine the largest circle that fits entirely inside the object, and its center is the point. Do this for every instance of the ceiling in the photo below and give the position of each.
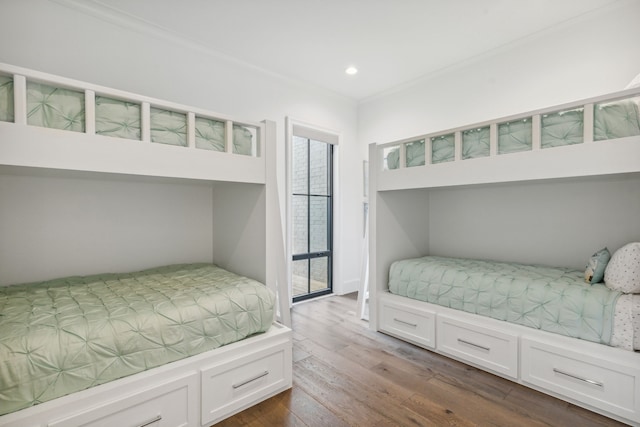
(391, 42)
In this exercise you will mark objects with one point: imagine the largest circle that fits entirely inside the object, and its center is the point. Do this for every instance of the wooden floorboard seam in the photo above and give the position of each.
(345, 374)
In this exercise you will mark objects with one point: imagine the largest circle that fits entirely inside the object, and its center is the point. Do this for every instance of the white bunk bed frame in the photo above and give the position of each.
(200, 390)
(600, 378)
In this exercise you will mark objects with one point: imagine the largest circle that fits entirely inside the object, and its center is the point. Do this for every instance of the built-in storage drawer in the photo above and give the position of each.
(236, 383)
(583, 376)
(404, 321)
(170, 404)
(488, 348)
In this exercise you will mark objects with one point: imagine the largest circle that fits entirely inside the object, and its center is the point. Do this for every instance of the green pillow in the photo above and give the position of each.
(596, 266)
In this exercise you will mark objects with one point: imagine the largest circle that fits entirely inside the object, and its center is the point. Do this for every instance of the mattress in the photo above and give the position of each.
(6, 98)
(60, 108)
(611, 120)
(66, 335)
(551, 299)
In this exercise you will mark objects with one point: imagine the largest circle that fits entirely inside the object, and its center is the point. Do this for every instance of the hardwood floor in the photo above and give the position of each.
(346, 375)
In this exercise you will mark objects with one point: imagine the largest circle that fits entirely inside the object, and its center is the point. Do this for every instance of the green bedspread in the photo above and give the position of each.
(552, 299)
(66, 335)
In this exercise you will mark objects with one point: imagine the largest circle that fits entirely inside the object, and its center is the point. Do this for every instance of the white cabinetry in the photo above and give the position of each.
(487, 348)
(598, 377)
(403, 321)
(232, 385)
(582, 376)
(168, 405)
(192, 392)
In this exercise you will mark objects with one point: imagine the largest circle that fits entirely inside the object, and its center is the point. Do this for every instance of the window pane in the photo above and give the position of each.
(300, 277)
(318, 219)
(300, 163)
(319, 167)
(319, 274)
(300, 224)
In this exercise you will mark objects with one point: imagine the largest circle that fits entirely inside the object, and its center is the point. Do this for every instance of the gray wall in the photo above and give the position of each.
(556, 222)
(57, 224)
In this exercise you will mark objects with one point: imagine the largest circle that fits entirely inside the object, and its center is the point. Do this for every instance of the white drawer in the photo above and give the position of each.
(493, 350)
(238, 383)
(603, 384)
(417, 326)
(167, 405)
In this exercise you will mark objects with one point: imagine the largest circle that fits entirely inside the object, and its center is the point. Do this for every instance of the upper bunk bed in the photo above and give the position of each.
(57, 127)
(484, 194)
(52, 122)
(596, 136)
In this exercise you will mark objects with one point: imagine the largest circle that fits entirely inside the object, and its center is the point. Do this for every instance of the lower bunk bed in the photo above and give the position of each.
(179, 345)
(542, 327)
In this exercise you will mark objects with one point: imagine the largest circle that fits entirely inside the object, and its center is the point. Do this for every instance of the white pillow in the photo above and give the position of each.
(623, 271)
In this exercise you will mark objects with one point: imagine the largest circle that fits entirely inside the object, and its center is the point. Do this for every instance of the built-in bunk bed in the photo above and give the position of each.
(177, 344)
(467, 228)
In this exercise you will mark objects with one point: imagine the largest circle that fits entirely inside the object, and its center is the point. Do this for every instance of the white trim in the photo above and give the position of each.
(315, 133)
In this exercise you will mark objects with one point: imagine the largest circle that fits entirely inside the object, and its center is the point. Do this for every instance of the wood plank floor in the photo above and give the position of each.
(346, 375)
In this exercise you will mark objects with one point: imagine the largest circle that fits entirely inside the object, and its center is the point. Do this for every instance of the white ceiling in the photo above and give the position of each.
(392, 42)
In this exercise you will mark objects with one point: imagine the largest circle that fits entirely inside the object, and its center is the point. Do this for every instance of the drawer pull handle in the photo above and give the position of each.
(148, 423)
(460, 340)
(413, 325)
(250, 380)
(586, 380)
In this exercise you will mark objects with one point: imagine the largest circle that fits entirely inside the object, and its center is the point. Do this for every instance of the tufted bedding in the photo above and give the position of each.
(61, 108)
(551, 299)
(611, 120)
(66, 335)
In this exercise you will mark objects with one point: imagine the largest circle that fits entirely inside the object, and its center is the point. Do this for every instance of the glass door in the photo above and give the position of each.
(312, 210)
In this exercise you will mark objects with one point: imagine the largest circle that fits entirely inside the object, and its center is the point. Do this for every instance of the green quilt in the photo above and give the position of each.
(552, 299)
(66, 335)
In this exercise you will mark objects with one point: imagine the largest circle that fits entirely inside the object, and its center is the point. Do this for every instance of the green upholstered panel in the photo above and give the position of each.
(475, 143)
(168, 127)
(54, 107)
(443, 148)
(6, 99)
(210, 134)
(562, 128)
(515, 136)
(117, 118)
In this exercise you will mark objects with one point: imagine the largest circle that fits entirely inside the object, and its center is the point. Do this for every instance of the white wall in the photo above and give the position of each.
(558, 222)
(54, 38)
(590, 56)
(55, 224)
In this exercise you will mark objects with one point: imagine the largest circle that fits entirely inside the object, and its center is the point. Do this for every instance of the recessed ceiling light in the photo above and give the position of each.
(351, 71)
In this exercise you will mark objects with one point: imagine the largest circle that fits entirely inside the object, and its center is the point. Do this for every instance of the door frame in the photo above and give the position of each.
(308, 130)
